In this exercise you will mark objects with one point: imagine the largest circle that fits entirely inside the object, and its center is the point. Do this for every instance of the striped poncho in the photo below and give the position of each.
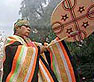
(24, 63)
(60, 62)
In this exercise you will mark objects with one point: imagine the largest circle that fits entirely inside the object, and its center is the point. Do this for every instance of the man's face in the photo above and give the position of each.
(23, 31)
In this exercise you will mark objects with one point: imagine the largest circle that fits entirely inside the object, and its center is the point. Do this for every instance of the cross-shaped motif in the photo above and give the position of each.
(85, 24)
(69, 30)
(64, 17)
(81, 9)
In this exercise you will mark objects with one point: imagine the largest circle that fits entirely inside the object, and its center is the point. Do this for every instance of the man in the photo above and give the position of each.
(25, 60)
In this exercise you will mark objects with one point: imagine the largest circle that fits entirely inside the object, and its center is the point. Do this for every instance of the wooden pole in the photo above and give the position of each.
(71, 35)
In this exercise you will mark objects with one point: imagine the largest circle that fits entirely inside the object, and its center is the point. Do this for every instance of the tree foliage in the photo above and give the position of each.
(38, 11)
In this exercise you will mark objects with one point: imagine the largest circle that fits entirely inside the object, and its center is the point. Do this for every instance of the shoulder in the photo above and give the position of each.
(15, 38)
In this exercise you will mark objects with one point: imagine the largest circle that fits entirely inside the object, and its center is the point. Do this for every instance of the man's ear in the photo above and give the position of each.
(17, 28)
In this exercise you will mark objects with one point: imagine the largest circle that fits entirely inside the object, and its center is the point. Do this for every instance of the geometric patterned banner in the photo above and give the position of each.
(73, 15)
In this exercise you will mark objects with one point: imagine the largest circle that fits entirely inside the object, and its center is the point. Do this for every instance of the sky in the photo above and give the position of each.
(9, 13)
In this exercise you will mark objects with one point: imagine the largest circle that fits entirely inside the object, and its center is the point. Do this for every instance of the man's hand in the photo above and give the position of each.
(43, 47)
